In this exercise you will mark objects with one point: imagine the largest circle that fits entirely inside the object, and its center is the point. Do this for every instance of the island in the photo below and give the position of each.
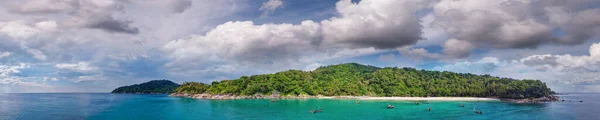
(352, 80)
(150, 87)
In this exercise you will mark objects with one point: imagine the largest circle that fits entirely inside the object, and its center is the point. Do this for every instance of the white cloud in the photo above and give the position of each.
(517, 24)
(89, 78)
(160, 26)
(22, 33)
(457, 48)
(42, 6)
(360, 29)
(567, 63)
(246, 43)
(49, 79)
(173, 6)
(22, 30)
(418, 53)
(432, 35)
(80, 71)
(98, 14)
(18, 29)
(269, 7)
(95, 14)
(82, 67)
(482, 66)
(4, 54)
(7, 70)
(349, 53)
(579, 26)
(37, 54)
(490, 23)
(595, 50)
(452, 49)
(63, 36)
(46, 25)
(566, 73)
(7, 78)
(383, 24)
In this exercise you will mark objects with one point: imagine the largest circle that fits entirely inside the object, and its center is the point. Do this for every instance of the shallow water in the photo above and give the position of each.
(129, 106)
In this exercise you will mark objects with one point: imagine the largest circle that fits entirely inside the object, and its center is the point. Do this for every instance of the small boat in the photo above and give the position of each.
(357, 102)
(428, 108)
(461, 105)
(416, 103)
(390, 106)
(477, 111)
(316, 111)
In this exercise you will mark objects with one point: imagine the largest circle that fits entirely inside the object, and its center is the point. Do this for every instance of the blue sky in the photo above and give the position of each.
(96, 46)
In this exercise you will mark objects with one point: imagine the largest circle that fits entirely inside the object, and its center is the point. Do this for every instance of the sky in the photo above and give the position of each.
(98, 45)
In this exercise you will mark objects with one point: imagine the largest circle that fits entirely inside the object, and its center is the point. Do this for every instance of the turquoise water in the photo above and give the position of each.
(127, 106)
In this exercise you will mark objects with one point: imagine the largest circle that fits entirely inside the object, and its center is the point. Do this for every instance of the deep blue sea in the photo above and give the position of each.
(104, 106)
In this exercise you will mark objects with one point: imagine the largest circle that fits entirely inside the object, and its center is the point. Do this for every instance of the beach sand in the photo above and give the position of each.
(415, 98)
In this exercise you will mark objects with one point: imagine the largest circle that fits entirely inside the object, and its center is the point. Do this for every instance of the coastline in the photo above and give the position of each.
(258, 96)
(551, 98)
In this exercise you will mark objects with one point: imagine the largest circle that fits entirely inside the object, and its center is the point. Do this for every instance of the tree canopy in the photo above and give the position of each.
(362, 80)
(192, 88)
(154, 86)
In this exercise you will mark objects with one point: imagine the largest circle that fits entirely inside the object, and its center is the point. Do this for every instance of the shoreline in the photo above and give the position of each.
(258, 96)
(551, 98)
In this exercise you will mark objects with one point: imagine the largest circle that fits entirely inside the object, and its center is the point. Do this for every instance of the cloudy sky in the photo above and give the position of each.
(97, 45)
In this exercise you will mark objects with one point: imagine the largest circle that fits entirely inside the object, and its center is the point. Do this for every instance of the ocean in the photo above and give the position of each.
(105, 106)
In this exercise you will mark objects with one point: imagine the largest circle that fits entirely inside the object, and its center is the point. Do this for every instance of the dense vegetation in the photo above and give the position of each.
(192, 88)
(361, 80)
(154, 86)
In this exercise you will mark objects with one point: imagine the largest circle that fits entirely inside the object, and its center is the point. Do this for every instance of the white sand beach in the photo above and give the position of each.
(415, 98)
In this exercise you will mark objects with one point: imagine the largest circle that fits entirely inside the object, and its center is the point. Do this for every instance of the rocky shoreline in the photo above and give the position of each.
(551, 98)
(234, 97)
(277, 96)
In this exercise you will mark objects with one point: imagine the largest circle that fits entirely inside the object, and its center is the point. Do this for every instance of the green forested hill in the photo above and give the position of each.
(362, 80)
(154, 86)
